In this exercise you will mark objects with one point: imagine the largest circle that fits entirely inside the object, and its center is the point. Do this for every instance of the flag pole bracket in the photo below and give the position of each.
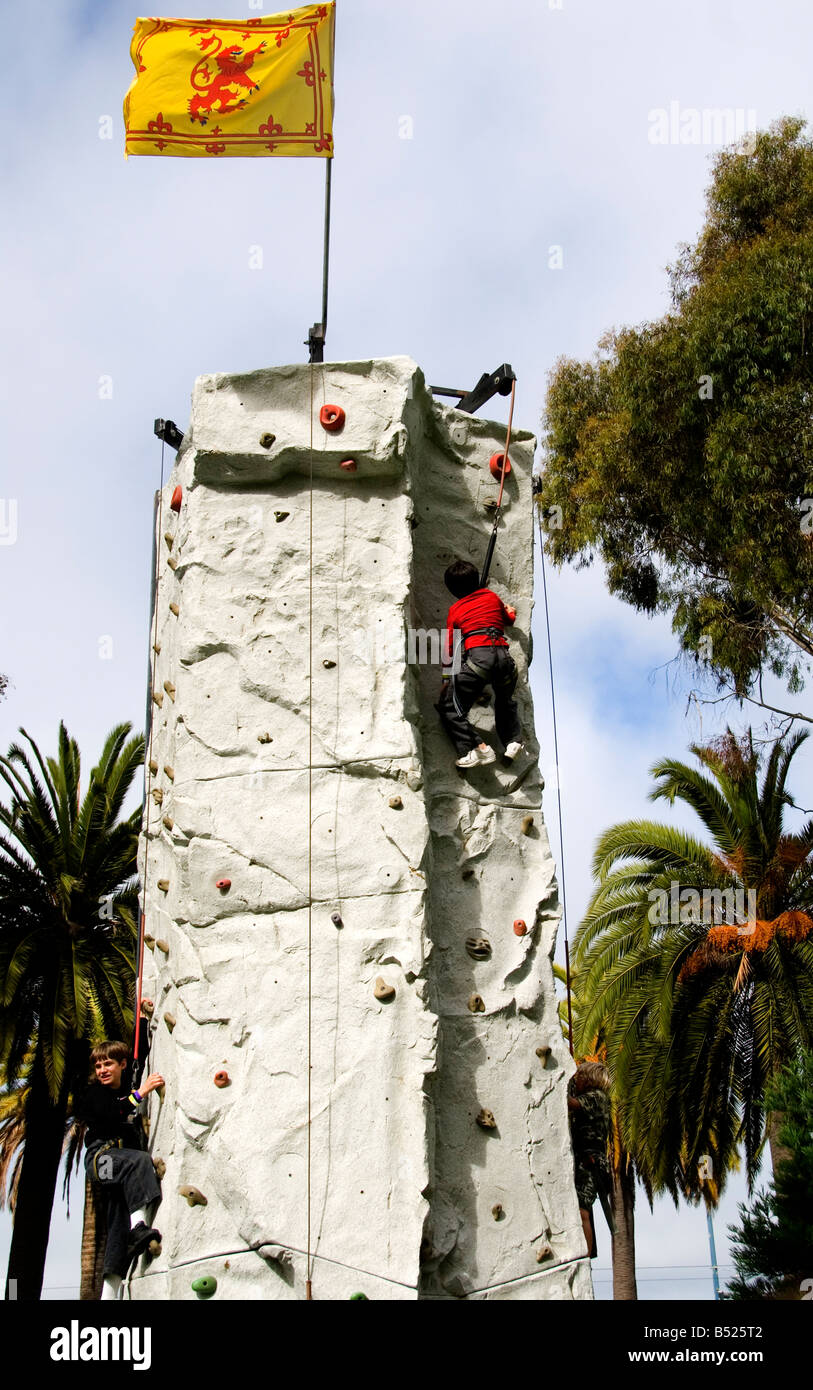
(316, 343)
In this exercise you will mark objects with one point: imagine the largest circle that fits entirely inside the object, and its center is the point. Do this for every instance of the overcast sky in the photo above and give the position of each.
(497, 197)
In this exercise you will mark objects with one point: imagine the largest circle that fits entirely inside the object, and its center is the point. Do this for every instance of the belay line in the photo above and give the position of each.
(493, 541)
(158, 522)
(558, 786)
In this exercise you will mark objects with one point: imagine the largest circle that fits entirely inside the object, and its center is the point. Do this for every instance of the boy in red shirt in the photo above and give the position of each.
(480, 616)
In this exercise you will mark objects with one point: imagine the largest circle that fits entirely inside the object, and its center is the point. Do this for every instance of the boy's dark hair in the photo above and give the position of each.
(115, 1051)
(461, 578)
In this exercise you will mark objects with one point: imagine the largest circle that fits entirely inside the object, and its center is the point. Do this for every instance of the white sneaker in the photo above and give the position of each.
(476, 757)
(512, 750)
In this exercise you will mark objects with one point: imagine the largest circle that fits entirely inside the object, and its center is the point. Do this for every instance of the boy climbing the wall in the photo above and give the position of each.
(115, 1158)
(478, 616)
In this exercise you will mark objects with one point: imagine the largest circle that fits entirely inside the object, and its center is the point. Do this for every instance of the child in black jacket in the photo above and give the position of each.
(115, 1158)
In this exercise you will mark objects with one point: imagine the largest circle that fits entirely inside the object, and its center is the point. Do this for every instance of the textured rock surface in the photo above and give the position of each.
(403, 1179)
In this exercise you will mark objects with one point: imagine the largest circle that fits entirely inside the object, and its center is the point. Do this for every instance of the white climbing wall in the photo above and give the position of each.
(406, 1195)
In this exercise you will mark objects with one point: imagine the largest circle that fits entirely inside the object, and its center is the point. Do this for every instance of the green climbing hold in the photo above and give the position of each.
(205, 1286)
(359, 1295)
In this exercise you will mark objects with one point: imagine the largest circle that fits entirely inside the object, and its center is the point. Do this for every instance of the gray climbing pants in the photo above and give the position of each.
(481, 666)
(128, 1181)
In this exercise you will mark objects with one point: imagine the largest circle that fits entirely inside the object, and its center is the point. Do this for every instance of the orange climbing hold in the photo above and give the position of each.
(495, 464)
(223, 884)
(222, 1079)
(177, 498)
(348, 465)
(331, 418)
(520, 927)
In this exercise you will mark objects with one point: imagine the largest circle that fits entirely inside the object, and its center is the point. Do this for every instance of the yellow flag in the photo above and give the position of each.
(233, 87)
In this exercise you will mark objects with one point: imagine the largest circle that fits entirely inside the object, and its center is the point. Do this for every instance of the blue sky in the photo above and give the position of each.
(529, 130)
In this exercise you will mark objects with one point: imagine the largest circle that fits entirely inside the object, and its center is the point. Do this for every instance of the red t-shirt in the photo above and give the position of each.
(481, 609)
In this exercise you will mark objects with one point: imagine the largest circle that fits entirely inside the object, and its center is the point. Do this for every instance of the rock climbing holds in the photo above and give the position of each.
(527, 824)
(266, 440)
(170, 772)
(331, 418)
(328, 664)
(276, 1254)
(193, 1195)
(383, 991)
(495, 463)
(543, 1053)
(476, 1004)
(172, 562)
(153, 766)
(157, 795)
(468, 873)
(223, 884)
(173, 608)
(162, 946)
(205, 1286)
(543, 1253)
(356, 1296)
(486, 1120)
(396, 804)
(169, 538)
(169, 822)
(170, 1020)
(348, 465)
(177, 498)
(336, 919)
(222, 1079)
(160, 1168)
(497, 1211)
(281, 516)
(520, 927)
(163, 885)
(147, 1008)
(158, 698)
(149, 942)
(490, 504)
(264, 738)
(170, 689)
(478, 947)
(156, 646)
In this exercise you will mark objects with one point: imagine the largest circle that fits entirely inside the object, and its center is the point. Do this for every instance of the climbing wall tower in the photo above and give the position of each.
(365, 1077)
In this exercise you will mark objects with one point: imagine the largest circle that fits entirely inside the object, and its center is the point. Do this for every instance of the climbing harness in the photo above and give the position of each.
(103, 1149)
(504, 470)
(558, 783)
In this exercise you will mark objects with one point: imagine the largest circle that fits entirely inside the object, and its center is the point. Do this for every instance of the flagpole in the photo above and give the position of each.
(318, 333)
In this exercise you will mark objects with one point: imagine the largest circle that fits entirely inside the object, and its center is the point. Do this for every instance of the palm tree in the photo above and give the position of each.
(67, 944)
(700, 1002)
(625, 1288)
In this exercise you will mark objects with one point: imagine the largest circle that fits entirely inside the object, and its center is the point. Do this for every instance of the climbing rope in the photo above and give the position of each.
(503, 472)
(148, 778)
(309, 1258)
(558, 786)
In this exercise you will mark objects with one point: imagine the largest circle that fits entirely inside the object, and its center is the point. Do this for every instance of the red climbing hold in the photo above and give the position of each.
(177, 498)
(331, 418)
(495, 464)
(223, 884)
(520, 928)
(348, 465)
(222, 1079)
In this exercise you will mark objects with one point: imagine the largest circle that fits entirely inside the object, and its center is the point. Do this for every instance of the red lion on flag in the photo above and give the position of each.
(234, 64)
